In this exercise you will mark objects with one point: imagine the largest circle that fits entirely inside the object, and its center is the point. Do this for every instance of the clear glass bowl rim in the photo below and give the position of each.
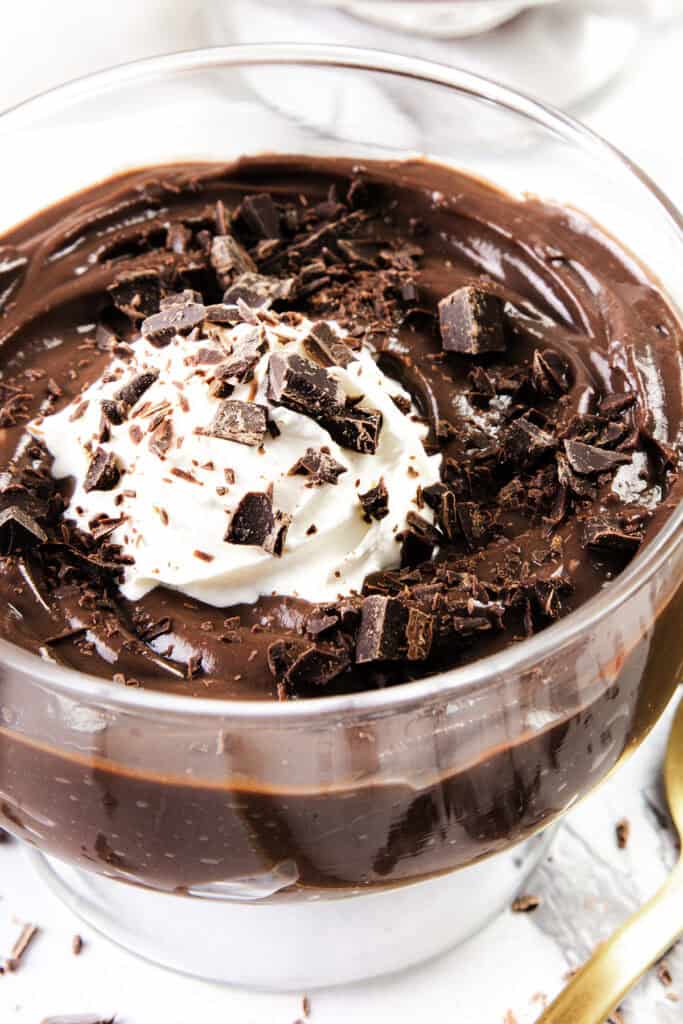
(512, 660)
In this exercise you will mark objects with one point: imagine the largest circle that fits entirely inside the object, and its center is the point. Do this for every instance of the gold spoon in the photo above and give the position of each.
(601, 984)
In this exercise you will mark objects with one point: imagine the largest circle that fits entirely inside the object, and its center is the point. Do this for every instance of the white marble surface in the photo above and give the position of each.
(587, 885)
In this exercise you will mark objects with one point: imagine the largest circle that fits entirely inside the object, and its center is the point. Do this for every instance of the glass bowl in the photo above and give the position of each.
(301, 844)
(565, 51)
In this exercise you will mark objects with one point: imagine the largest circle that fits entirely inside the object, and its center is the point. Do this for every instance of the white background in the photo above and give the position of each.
(587, 887)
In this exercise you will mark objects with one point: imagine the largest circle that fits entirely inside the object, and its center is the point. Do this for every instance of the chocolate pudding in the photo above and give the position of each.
(296, 428)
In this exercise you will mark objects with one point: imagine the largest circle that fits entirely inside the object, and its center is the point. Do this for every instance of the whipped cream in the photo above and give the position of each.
(175, 502)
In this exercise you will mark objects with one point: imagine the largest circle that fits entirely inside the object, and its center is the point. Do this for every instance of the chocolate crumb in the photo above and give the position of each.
(526, 904)
(203, 556)
(623, 833)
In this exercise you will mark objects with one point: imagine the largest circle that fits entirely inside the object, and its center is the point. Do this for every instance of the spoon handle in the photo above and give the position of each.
(601, 984)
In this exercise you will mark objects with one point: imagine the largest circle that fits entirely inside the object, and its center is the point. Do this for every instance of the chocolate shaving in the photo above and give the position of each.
(131, 393)
(103, 472)
(526, 904)
(319, 466)
(375, 502)
(114, 413)
(471, 322)
(20, 947)
(242, 422)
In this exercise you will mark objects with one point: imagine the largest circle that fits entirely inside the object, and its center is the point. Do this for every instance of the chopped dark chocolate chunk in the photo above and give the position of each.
(419, 635)
(178, 237)
(136, 293)
(356, 429)
(375, 502)
(18, 529)
(471, 322)
(162, 438)
(616, 403)
(229, 259)
(105, 338)
(132, 392)
(319, 466)
(325, 346)
(103, 473)
(550, 373)
(297, 664)
(526, 443)
(274, 543)
(240, 364)
(222, 313)
(114, 412)
(606, 534)
(261, 215)
(300, 385)
(253, 520)
(177, 319)
(382, 630)
(317, 665)
(257, 290)
(446, 516)
(242, 422)
(183, 298)
(586, 459)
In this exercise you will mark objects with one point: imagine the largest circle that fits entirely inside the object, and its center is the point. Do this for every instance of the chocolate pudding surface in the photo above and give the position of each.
(549, 422)
(529, 377)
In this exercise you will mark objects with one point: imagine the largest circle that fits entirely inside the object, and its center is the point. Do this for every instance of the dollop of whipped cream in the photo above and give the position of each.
(174, 494)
